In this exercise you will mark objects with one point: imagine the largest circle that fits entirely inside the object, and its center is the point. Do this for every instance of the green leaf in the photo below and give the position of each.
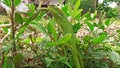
(65, 10)
(91, 27)
(40, 16)
(26, 41)
(76, 27)
(48, 61)
(100, 38)
(27, 23)
(70, 10)
(5, 29)
(78, 12)
(39, 27)
(99, 55)
(31, 7)
(50, 44)
(21, 31)
(86, 39)
(87, 15)
(107, 22)
(29, 13)
(51, 30)
(8, 63)
(64, 60)
(25, 19)
(104, 65)
(64, 39)
(102, 27)
(6, 48)
(34, 16)
(66, 28)
(18, 18)
(114, 57)
(95, 14)
(38, 40)
(118, 31)
(8, 3)
(17, 2)
(18, 58)
(77, 5)
(78, 17)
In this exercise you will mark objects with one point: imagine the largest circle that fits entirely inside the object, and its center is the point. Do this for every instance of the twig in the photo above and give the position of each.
(5, 36)
(13, 26)
(4, 25)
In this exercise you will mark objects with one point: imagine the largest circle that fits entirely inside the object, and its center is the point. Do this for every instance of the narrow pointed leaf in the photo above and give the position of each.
(27, 23)
(91, 27)
(64, 39)
(17, 2)
(77, 5)
(8, 2)
(107, 22)
(100, 38)
(51, 30)
(18, 18)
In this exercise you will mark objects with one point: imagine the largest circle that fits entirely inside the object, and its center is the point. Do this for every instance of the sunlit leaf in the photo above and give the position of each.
(78, 12)
(76, 27)
(31, 7)
(50, 44)
(100, 38)
(17, 2)
(118, 30)
(77, 5)
(42, 14)
(87, 15)
(70, 10)
(5, 29)
(107, 22)
(26, 41)
(65, 10)
(8, 2)
(64, 39)
(91, 27)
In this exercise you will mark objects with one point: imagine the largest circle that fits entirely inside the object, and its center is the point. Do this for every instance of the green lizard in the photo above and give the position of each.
(66, 28)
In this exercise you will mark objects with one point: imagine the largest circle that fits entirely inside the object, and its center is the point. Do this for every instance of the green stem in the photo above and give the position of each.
(81, 59)
(78, 61)
(75, 58)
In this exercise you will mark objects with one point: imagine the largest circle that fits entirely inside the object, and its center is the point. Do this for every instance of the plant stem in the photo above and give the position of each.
(13, 28)
(77, 59)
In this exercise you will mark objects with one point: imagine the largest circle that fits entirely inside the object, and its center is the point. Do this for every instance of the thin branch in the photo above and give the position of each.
(5, 36)
(13, 26)
(4, 25)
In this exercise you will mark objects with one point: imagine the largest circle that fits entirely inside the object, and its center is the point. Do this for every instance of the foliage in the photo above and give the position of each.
(47, 38)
